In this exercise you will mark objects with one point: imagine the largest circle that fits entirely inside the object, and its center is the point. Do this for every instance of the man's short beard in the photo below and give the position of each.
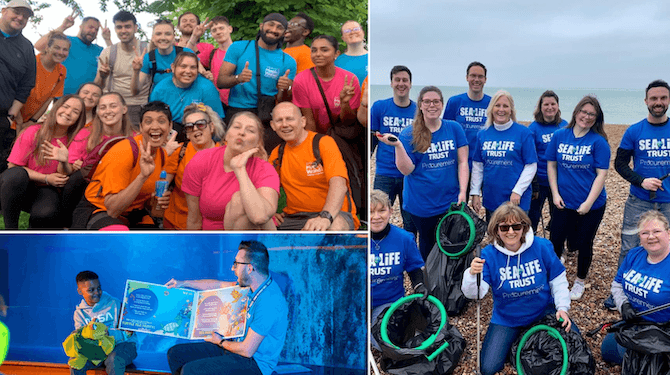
(270, 41)
(651, 112)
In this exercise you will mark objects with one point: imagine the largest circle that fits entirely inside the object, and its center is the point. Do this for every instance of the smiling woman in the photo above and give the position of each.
(186, 87)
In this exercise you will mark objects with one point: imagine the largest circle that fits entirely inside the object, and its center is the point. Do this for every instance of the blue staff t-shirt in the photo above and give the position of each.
(355, 64)
(520, 283)
(397, 253)
(274, 64)
(163, 62)
(645, 284)
(471, 114)
(576, 162)
(81, 64)
(542, 134)
(268, 317)
(201, 90)
(387, 117)
(651, 156)
(504, 155)
(433, 184)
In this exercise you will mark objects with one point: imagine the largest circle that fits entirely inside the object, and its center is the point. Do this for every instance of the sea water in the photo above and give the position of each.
(620, 106)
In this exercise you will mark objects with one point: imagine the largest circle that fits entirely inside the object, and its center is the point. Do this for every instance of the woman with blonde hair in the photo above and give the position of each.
(504, 161)
(526, 279)
(232, 187)
(38, 167)
(201, 125)
(433, 156)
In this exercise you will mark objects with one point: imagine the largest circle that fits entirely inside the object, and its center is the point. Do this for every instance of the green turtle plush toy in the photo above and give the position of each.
(88, 343)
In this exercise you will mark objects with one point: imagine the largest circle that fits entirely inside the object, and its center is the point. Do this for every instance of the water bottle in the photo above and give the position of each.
(161, 185)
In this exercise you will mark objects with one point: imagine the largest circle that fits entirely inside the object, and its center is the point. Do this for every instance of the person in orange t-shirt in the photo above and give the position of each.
(299, 28)
(318, 196)
(122, 187)
(49, 80)
(201, 124)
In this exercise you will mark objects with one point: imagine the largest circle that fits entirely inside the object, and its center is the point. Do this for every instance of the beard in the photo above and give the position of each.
(269, 40)
(655, 113)
(244, 280)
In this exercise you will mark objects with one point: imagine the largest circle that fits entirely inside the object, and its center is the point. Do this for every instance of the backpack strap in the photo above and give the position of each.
(152, 64)
(280, 156)
(112, 61)
(315, 149)
(323, 96)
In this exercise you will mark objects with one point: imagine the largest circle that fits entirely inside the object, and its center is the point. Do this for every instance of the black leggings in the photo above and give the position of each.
(581, 230)
(18, 193)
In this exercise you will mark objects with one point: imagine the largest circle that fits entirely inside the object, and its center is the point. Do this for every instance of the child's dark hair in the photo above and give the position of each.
(84, 276)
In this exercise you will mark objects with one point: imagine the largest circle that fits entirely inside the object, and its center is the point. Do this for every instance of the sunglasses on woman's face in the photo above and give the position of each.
(505, 227)
(200, 124)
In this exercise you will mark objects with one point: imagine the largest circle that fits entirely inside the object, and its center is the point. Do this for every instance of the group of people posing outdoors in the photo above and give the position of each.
(86, 132)
(472, 150)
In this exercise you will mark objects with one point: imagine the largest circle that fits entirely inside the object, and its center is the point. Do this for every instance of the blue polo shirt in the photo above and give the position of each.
(201, 90)
(268, 317)
(81, 64)
(163, 62)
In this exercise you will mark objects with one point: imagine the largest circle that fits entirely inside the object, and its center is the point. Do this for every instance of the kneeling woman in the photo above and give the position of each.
(34, 179)
(647, 262)
(123, 185)
(513, 247)
(232, 187)
(201, 125)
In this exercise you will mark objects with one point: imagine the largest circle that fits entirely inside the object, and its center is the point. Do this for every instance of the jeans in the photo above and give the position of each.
(632, 211)
(611, 351)
(205, 358)
(581, 230)
(497, 344)
(535, 211)
(393, 186)
(426, 228)
(115, 363)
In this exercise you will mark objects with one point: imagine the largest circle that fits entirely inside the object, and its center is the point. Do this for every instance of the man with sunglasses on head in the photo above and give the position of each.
(240, 74)
(17, 69)
(115, 66)
(267, 321)
(299, 28)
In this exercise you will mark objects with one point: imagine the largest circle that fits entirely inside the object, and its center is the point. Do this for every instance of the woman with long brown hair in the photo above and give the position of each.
(38, 167)
(433, 156)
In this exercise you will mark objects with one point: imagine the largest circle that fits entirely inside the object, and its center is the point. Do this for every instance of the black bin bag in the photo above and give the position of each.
(459, 232)
(647, 348)
(542, 354)
(408, 327)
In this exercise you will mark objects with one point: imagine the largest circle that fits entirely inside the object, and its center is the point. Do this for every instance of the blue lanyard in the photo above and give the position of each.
(258, 293)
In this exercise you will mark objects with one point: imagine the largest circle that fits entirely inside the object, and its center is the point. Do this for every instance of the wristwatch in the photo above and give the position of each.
(327, 215)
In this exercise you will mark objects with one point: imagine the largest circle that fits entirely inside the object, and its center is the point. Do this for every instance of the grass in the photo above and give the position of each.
(23, 221)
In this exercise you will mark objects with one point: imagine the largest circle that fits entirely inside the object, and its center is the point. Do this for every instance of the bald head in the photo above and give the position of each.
(289, 123)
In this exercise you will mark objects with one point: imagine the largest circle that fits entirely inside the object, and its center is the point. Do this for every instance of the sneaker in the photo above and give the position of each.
(609, 303)
(577, 290)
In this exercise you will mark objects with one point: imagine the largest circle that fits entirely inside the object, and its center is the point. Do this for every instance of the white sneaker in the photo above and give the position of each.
(577, 290)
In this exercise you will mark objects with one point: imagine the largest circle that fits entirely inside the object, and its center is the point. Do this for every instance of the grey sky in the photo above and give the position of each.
(545, 44)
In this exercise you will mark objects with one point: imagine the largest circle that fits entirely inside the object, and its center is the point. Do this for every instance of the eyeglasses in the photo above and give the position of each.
(647, 234)
(505, 227)
(296, 24)
(235, 263)
(347, 31)
(200, 124)
(435, 102)
(588, 114)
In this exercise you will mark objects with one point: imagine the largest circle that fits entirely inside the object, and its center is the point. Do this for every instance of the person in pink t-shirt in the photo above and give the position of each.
(38, 167)
(111, 120)
(340, 87)
(232, 187)
(212, 57)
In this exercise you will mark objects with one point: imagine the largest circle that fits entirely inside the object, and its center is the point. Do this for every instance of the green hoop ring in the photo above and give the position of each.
(553, 332)
(430, 340)
(471, 224)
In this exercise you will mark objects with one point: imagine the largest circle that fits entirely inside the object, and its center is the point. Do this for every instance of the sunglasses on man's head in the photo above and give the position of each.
(200, 124)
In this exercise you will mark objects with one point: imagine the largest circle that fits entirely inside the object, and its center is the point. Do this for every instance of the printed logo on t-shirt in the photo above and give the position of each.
(336, 102)
(521, 276)
(655, 147)
(102, 318)
(498, 149)
(271, 72)
(546, 138)
(313, 169)
(474, 117)
(641, 284)
(573, 153)
(440, 150)
(381, 264)
(396, 124)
